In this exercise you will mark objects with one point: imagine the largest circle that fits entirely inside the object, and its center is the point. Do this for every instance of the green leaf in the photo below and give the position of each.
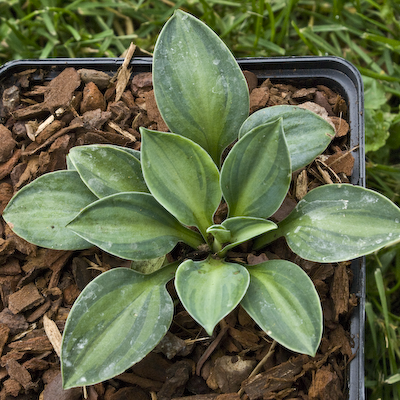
(133, 226)
(40, 211)
(242, 229)
(107, 169)
(117, 319)
(377, 125)
(220, 233)
(256, 173)
(340, 222)
(283, 301)
(374, 93)
(210, 289)
(198, 85)
(307, 134)
(181, 176)
(70, 165)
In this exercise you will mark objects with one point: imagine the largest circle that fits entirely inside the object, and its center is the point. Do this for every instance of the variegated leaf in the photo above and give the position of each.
(182, 177)
(199, 87)
(107, 169)
(132, 226)
(117, 320)
(40, 211)
(256, 173)
(335, 223)
(307, 134)
(283, 301)
(210, 289)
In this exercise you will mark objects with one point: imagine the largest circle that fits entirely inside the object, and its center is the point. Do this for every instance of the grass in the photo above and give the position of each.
(365, 32)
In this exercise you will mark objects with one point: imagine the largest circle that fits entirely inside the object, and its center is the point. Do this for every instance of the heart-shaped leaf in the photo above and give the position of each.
(107, 170)
(210, 289)
(40, 211)
(198, 85)
(117, 319)
(182, 177)
(307, 134)
(336, 222)
(132, 226)
(283, 301)
(256, 173)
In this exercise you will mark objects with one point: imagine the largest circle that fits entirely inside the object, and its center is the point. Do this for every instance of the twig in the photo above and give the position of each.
(258, 367)
(212, 347)
(123, 132)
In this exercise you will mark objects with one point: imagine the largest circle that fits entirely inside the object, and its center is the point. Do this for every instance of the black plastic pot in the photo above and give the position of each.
(335, 73)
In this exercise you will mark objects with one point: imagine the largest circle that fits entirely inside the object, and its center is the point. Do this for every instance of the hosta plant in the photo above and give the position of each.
(139, 206)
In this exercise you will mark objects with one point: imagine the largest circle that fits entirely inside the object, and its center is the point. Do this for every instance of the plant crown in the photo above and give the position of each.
(138, 206)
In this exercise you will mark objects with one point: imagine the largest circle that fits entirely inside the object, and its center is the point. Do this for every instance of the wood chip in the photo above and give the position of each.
(7, 144)
(35, 345)
(53, 334)
(275, 379)
(4, 332)
(19, 373)
(25, 298)
(301, 188)
(8, 166)
(325, 385)
(124, 73)
(100, 78)
(340, 289)
(54, 390)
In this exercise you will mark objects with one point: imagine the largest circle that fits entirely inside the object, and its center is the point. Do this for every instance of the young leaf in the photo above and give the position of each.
(182, 177)
(239, 229)
(40, 211)
(107, 170)
(283, 301)
(210, 289)
(199, 87)
(307, 134)
(335, 223)
(220, 233)
(117, 319)
(256, 173)
(133, 226)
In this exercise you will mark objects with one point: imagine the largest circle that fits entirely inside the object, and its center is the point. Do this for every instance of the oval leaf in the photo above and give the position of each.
(283, 301)
(117, 319)
(108, 170)
(210, 289)
(133, 226)
(256, 173)
(198, 85)
(307, 134)
(340, 222)
(40, 211)
(181, 176)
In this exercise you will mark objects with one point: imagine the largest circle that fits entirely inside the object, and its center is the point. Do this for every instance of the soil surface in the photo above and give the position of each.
(41, 119)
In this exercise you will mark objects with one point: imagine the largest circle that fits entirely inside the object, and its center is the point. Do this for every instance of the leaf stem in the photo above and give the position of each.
(216, 246)
(193, 239)
(268, 238)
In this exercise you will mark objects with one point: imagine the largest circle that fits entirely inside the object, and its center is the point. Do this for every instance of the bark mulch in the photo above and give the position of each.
(41, 119)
